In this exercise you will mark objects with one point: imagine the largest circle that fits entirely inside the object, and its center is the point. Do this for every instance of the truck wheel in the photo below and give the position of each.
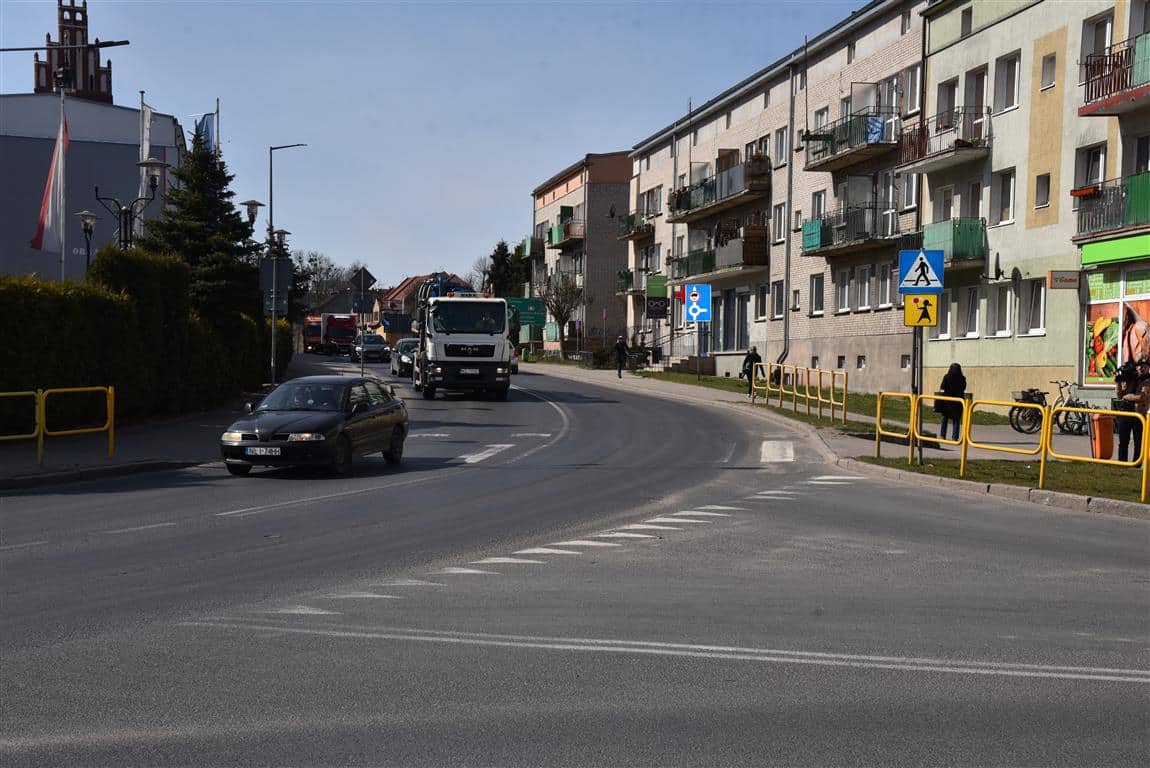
(428, 393)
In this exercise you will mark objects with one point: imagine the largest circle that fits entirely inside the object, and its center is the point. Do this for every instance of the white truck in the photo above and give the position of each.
(463, 341)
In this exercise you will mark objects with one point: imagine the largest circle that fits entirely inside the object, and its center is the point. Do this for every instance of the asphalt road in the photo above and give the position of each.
(578, 576)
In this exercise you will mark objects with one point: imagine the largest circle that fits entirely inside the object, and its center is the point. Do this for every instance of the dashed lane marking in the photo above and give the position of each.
(486, 453)
(774, 451)
(546, 551)
(531, 434)
(838, 477)
(9, 547)
(583, 543)
(363, 596)
(302, 610)
(675, 520)
(508, 561)
(453, 571)
(623, 535)
(428, 434)
(647, 527)
(408, 583)
(139, 528)
(699, 514)
(828, 482)
(721, 506)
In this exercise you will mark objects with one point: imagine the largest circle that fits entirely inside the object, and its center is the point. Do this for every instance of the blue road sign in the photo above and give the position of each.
(697, 307)
(920, 272)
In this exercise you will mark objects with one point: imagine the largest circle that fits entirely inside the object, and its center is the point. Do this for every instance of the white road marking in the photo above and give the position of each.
(894, 551)
(139, 528)
(622, 535)
(7, 547)
(826, 482)
(774, 451)
(486, 453)
(720, 506)
(726, 459)
(583, 543)
(408, 583)
(699, 514)
(838, 477)
(546, 551)
(428, 434)
(363, 596)
(646, 527)
(675, 520)
(508, 561)
(463, 571)
(531, 434)
(246, 511)
(303, 610)
(737, 653)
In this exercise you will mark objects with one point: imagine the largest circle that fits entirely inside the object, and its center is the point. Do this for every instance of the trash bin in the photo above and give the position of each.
(1101, 436)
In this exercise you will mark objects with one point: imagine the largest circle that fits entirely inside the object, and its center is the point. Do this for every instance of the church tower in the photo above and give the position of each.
(88, 78)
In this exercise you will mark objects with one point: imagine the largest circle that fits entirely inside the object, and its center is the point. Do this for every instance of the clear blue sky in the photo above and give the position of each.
(428, 123)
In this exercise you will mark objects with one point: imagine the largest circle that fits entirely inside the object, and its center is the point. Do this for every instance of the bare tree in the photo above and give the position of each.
(480, 273)
(326, 278)
(562, 296)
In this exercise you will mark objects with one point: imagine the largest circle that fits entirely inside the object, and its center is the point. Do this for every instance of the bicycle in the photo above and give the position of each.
(1070, 422)
(1027, 420)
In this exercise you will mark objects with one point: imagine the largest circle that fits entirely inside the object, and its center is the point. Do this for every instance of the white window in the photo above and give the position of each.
(798, 225)
(890, 101)
(942, 330)
(904, 362)
(909, 191)
(777, 299)
(1032, 308)
(816, 295)
(802, 80)
(1142, 144)
(679, 246)
(779, 230)
(904, 25)
(998, 310)
(761, 303)
(1002, 198)
(765, 146)
(818, 204)
(912, 86)
(845, 106)
(1096, 38)
(795, 300)
(1091, 166)
(843, 291)
(822, 117)
(653, 200)
(888, 204)
(1006, 82)
(728, 121)
(1042, 190)
(850, 53)
(815, 361)
(1049, 66)
(966, 22)
(841, 361)
(946, 103)
(749, 150)
(969, 316)
(863, 288)
(782, 146)
(884, 285)
(860, 362)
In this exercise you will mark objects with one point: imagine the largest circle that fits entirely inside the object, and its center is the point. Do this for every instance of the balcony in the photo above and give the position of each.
(699, 262)
(565, 232)
(628, 282)
(752, 248)
(744, 183)
(532, 247)
(962, 241)
(637, 225)
(852, 139)
(946, 140)
(561, 275)
(1113, 207)
(1117, 81)
(851, 229)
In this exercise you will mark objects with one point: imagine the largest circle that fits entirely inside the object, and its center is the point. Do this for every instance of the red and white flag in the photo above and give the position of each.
(50, 232)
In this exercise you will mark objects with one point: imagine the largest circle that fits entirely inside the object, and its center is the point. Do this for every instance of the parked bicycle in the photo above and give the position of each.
(1070, 422)
(1027, 420)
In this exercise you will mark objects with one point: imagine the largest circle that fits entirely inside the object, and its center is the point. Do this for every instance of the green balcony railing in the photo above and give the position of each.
(571, 229)
(847, 225)
(1119, 68)
(961, 239)
(877, 125)
(694, 263)
(1114, 204)
(624, 281)
(635, 224)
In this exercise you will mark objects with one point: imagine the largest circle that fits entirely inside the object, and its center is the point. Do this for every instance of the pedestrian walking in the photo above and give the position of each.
(953, 385)
(1132, 393)
(748, 372)
(620, 356)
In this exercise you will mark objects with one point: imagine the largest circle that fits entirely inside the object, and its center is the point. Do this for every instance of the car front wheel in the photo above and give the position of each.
(343, 459)
(394, 452)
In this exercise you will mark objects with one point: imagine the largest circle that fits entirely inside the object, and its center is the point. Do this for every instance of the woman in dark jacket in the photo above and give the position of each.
(953, 385)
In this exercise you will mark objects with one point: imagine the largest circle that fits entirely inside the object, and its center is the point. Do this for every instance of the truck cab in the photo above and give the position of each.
(463, 344)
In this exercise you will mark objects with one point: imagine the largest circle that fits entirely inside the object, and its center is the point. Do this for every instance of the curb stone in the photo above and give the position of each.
(93, 473)
(958, 484)
(1057, 499)
(1007, 491)
(1117, 507)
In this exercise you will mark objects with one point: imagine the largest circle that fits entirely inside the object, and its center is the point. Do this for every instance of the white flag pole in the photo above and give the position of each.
(63, 188)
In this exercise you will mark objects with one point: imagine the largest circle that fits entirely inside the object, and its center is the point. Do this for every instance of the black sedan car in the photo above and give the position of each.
(318, 420)
(401, 356)
(370, 346)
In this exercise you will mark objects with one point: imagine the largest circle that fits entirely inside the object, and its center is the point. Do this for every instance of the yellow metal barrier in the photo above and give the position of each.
(964, 431)
(784, 380)
(40, 398)
(1143, 460)
(880, 432)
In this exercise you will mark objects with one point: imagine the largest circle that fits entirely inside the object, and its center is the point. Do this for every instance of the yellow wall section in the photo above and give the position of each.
(1046, 112)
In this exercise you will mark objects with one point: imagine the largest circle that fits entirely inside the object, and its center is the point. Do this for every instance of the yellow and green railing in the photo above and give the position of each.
(41, 430)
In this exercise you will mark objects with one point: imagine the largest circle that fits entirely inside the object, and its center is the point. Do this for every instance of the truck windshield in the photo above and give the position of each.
(470, 317)
(312, 329)
(342, 333)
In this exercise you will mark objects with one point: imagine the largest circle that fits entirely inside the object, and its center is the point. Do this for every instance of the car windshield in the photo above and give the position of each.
(304, 396)
(407, 345)
(470, 317)
(373, 340)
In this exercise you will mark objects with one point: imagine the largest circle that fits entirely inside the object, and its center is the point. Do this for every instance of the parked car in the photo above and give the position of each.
(318, 420)
(401, 356)
(370, 346)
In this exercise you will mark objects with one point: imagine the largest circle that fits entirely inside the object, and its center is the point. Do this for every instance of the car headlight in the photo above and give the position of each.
(405, 358)
(305, 437)
(437, 370)
(232, 437)
(501, 370)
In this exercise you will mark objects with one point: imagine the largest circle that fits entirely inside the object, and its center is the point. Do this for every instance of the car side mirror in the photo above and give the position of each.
(248, 407)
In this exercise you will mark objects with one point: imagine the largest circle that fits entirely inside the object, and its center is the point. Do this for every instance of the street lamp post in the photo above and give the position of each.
(253, 207)
(88, 221)
(278, 238)
(273, 235)
(126, 214)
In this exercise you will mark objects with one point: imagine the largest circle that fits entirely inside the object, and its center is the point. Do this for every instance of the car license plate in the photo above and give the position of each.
(469, 371)
(262, 451)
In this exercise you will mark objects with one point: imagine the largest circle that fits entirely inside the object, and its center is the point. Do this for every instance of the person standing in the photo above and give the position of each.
(1132, 390)
(620, 356)
(953, 385)
(749, 362)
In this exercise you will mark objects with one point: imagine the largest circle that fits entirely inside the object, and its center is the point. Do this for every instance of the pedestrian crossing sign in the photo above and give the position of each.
(920, 310)
(919, 272)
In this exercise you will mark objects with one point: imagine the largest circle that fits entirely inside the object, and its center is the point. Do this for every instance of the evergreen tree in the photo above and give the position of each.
(507, 272)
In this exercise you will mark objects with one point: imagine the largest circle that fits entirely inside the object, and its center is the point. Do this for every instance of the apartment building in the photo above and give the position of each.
(1112, 188)
(574, 233)
(781, 194)
(1001, 147)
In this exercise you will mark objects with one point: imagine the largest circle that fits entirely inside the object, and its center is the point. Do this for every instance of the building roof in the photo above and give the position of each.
(569, 170)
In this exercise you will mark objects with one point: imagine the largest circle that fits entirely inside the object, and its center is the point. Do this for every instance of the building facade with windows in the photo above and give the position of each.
(574, 234)
(1112, 189)
(1000, 147)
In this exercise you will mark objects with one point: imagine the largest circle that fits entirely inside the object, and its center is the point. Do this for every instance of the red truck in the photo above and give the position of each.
(338, 333)
(312, 333)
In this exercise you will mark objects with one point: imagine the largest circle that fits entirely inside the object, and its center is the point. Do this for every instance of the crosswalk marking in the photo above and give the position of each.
(363, 596)
(463, 571)
(428, 434)
(720, 506)
(826, 482)
(547, 551)
(646, 527)
(303, 610)
(622, 535)
(486, 453)
(700, 514)
(508, 561)
(532, 434)
(675, 520)
(408, 583)
(583, 543)
(774, 451)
